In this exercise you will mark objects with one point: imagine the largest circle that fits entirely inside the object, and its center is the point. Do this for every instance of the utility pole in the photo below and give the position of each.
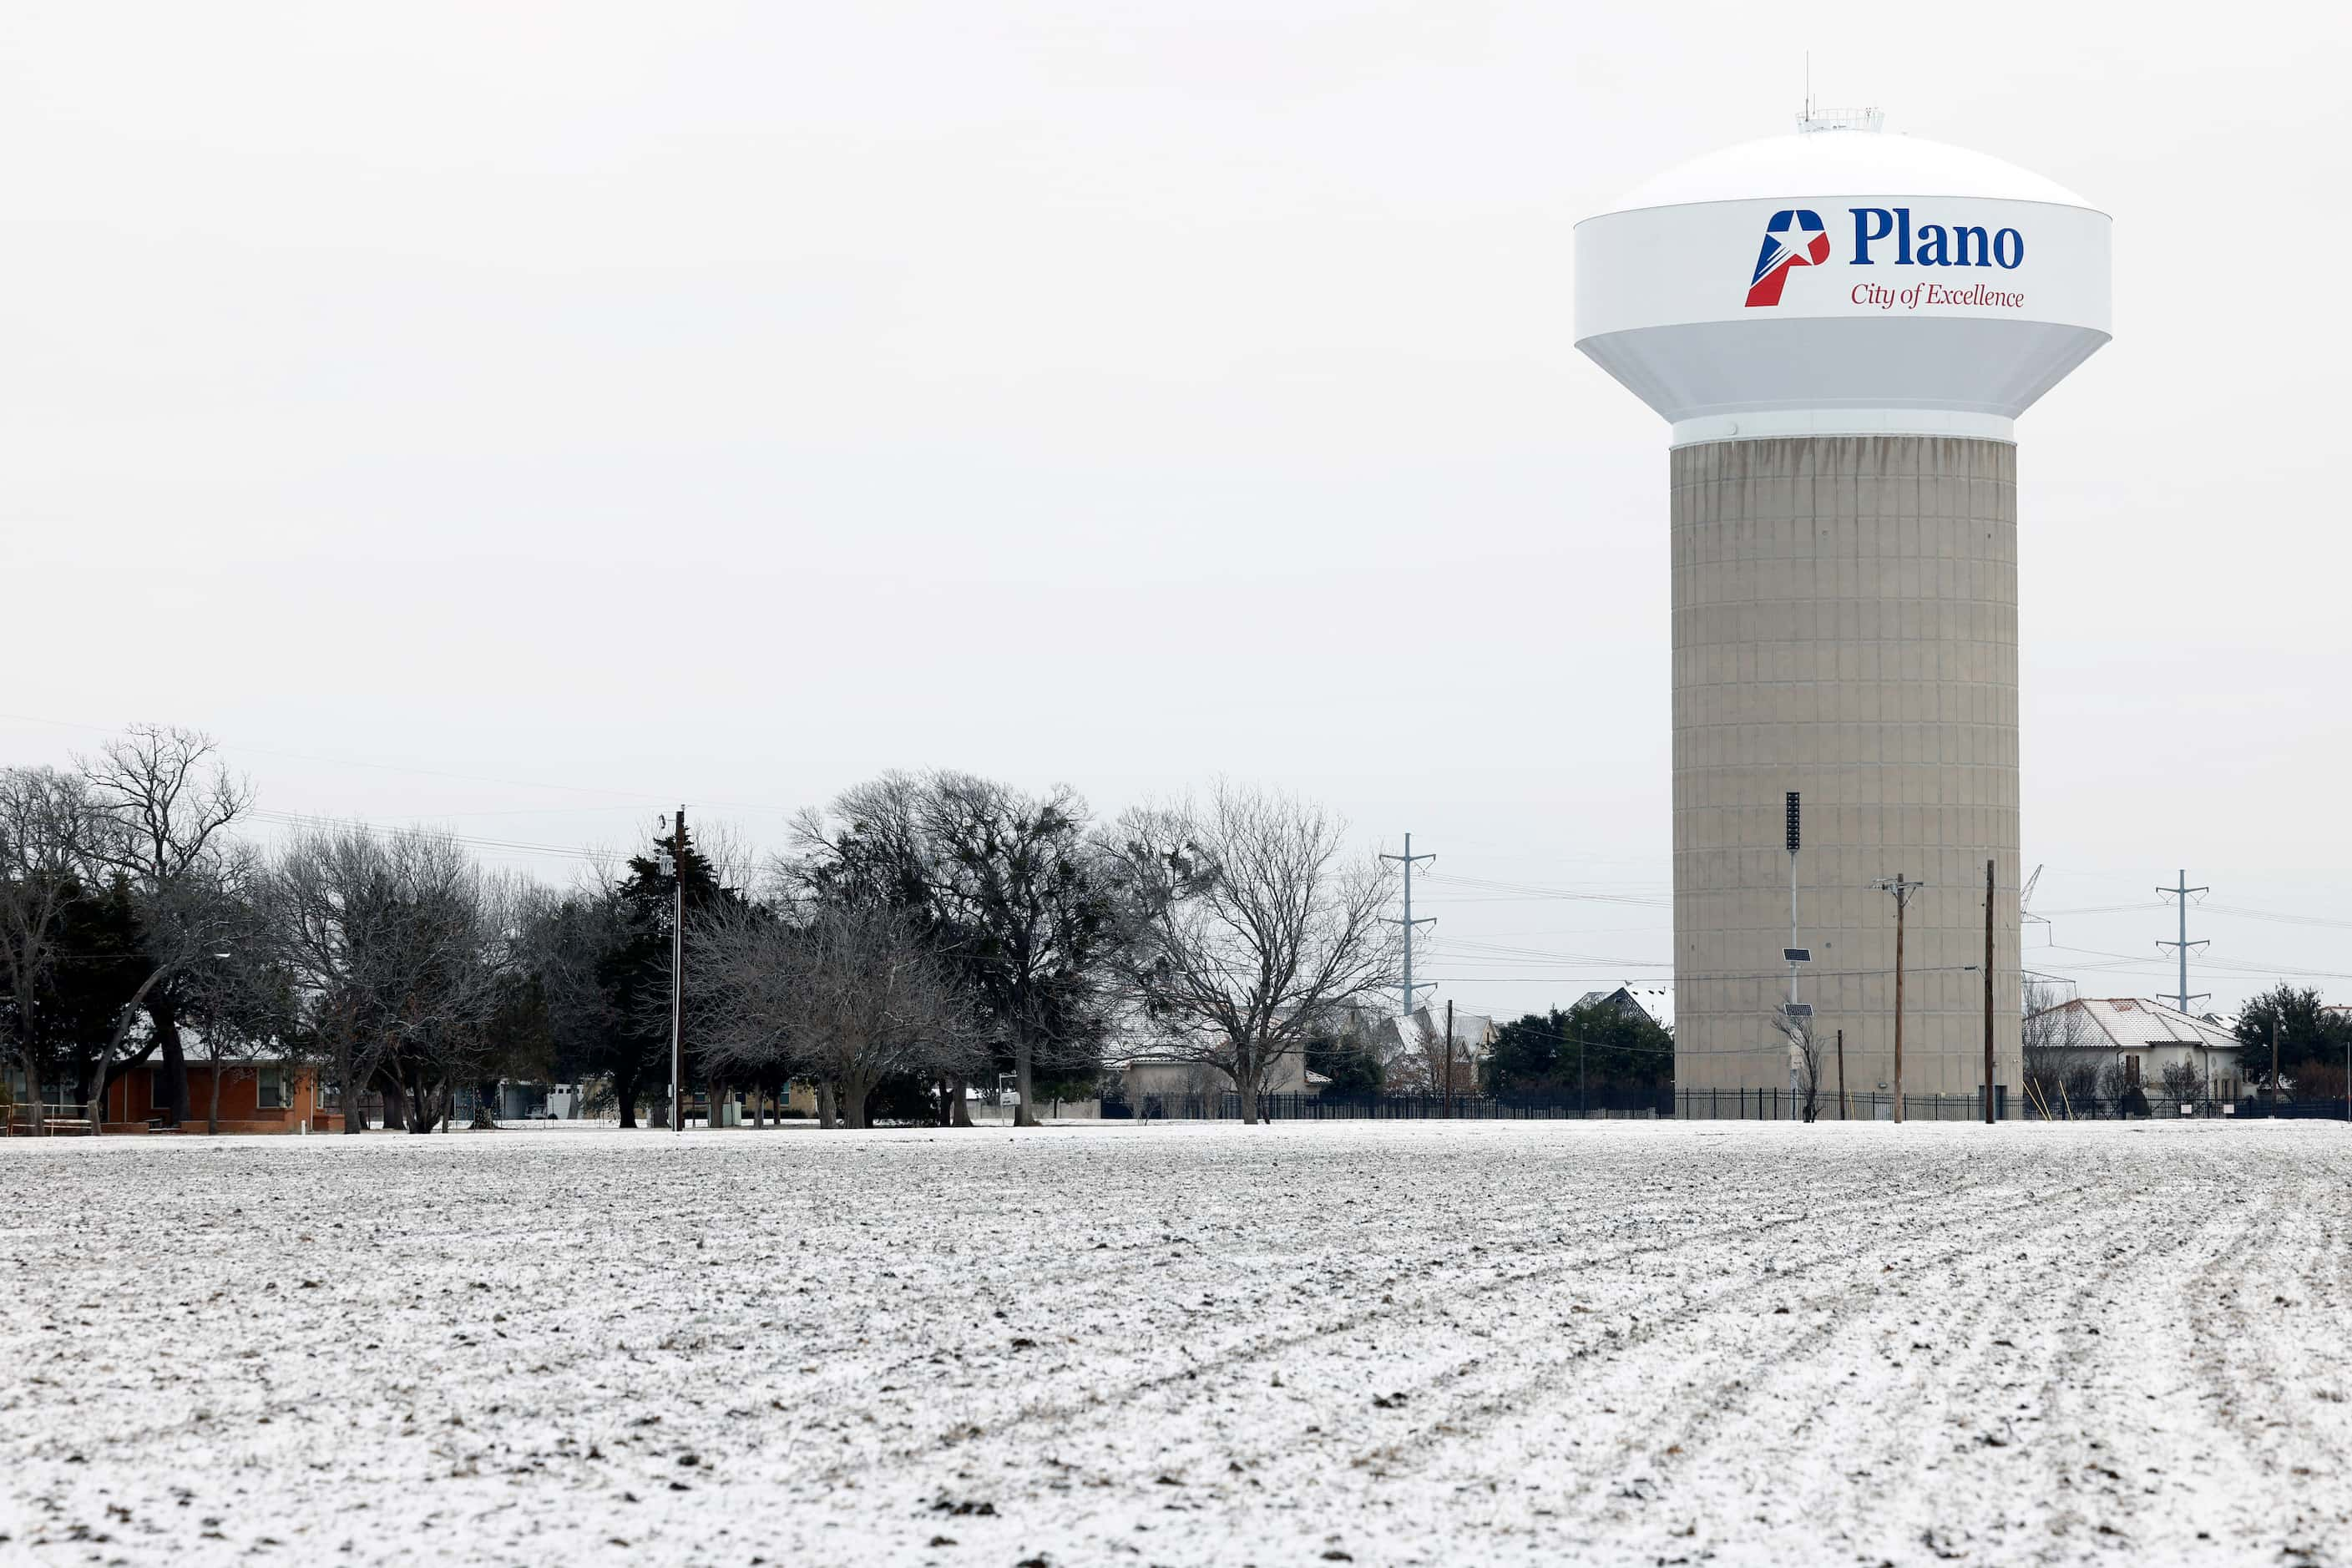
(1990, 1112)
(675, 856)
(2274, 1064)
(1902, 892)
(1408, 858)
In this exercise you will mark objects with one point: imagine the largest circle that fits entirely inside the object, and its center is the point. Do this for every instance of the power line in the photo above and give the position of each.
(507, 846)
(241, 748)
(2244, 913)
(1530, 891)
(1686, 976)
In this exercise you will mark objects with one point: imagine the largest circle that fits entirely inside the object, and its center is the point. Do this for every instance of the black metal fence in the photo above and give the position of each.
(2298, 1109)
(1615, 1104)
(1777, 1105)
(1693, 1104)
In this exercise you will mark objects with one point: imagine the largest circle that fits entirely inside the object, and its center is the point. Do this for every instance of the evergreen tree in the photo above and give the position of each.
(1597, 1045)
(1349, 1065)
(2308, 1037)
(96, 972)
(100, 964)
(634, 972)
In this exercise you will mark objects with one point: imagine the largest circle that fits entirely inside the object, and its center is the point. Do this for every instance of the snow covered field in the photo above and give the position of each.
(1598, 1343)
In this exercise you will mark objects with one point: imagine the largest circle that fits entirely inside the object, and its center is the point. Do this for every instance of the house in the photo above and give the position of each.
(266, 1094)
(2140, 1037)
(1158, 1076)
(1647, 996)
(1412, 1047)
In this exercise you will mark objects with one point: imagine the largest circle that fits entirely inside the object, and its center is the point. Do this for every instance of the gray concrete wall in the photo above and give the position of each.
(1845, 624)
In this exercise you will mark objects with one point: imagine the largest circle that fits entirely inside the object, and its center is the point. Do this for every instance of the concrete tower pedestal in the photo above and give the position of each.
(1840, 328)
(1844, 625)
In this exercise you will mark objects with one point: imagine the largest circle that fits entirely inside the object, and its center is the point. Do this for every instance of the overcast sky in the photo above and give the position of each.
(523, 418)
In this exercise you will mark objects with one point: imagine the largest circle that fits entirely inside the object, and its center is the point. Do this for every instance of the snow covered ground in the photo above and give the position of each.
(1599, 1343)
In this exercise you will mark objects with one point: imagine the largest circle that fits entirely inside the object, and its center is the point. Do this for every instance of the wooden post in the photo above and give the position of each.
(1899, 901)
(1449, 1058)
(1846, 1112)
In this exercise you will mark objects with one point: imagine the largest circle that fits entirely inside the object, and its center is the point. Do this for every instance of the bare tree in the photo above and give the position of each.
(2118, 1084)
(1805, 1054)
(1253, 926)
(2183, 1084)
(742, 976)
(2078, 1091)
(399, 942)
(1426, 1062)
(48, 823)
(2055, 1036)
(170, 803)
(567, 942)
(845, 993)
(206, 952)
(1006, 886)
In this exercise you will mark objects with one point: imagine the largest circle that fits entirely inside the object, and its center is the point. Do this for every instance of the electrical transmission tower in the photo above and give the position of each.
(1407, 859)
(2181, 891)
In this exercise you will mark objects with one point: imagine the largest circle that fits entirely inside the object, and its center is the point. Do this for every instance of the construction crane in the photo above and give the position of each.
(2024, 898)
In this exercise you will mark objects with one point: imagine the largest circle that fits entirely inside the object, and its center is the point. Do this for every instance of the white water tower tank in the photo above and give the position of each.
(1841, 327)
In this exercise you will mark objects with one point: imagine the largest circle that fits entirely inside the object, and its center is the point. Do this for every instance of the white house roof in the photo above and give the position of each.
(1469, 1028)
(195, 1049)
(1656, 1000)
(2132, 1022)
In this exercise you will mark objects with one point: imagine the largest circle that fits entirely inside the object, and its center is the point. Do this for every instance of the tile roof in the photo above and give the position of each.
(2132, 1022)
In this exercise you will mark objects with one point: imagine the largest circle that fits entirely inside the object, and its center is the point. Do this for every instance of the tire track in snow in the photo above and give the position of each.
(2246, 1341)
(1531, 1374)
(1673, 1437)
(1060, 1418)
(1942, 1500)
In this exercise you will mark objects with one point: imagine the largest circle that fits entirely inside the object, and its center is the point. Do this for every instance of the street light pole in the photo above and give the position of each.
(1795, 839)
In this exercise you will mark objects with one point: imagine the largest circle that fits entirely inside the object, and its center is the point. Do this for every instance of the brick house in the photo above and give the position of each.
(256, 1095)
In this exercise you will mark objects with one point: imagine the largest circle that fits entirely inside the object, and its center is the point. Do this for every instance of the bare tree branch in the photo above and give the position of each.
(1254, 925)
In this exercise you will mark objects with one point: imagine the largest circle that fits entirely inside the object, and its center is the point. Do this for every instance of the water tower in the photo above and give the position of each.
(1841, 327)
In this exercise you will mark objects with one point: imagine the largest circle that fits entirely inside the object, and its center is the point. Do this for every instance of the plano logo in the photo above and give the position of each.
(1793, 239)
